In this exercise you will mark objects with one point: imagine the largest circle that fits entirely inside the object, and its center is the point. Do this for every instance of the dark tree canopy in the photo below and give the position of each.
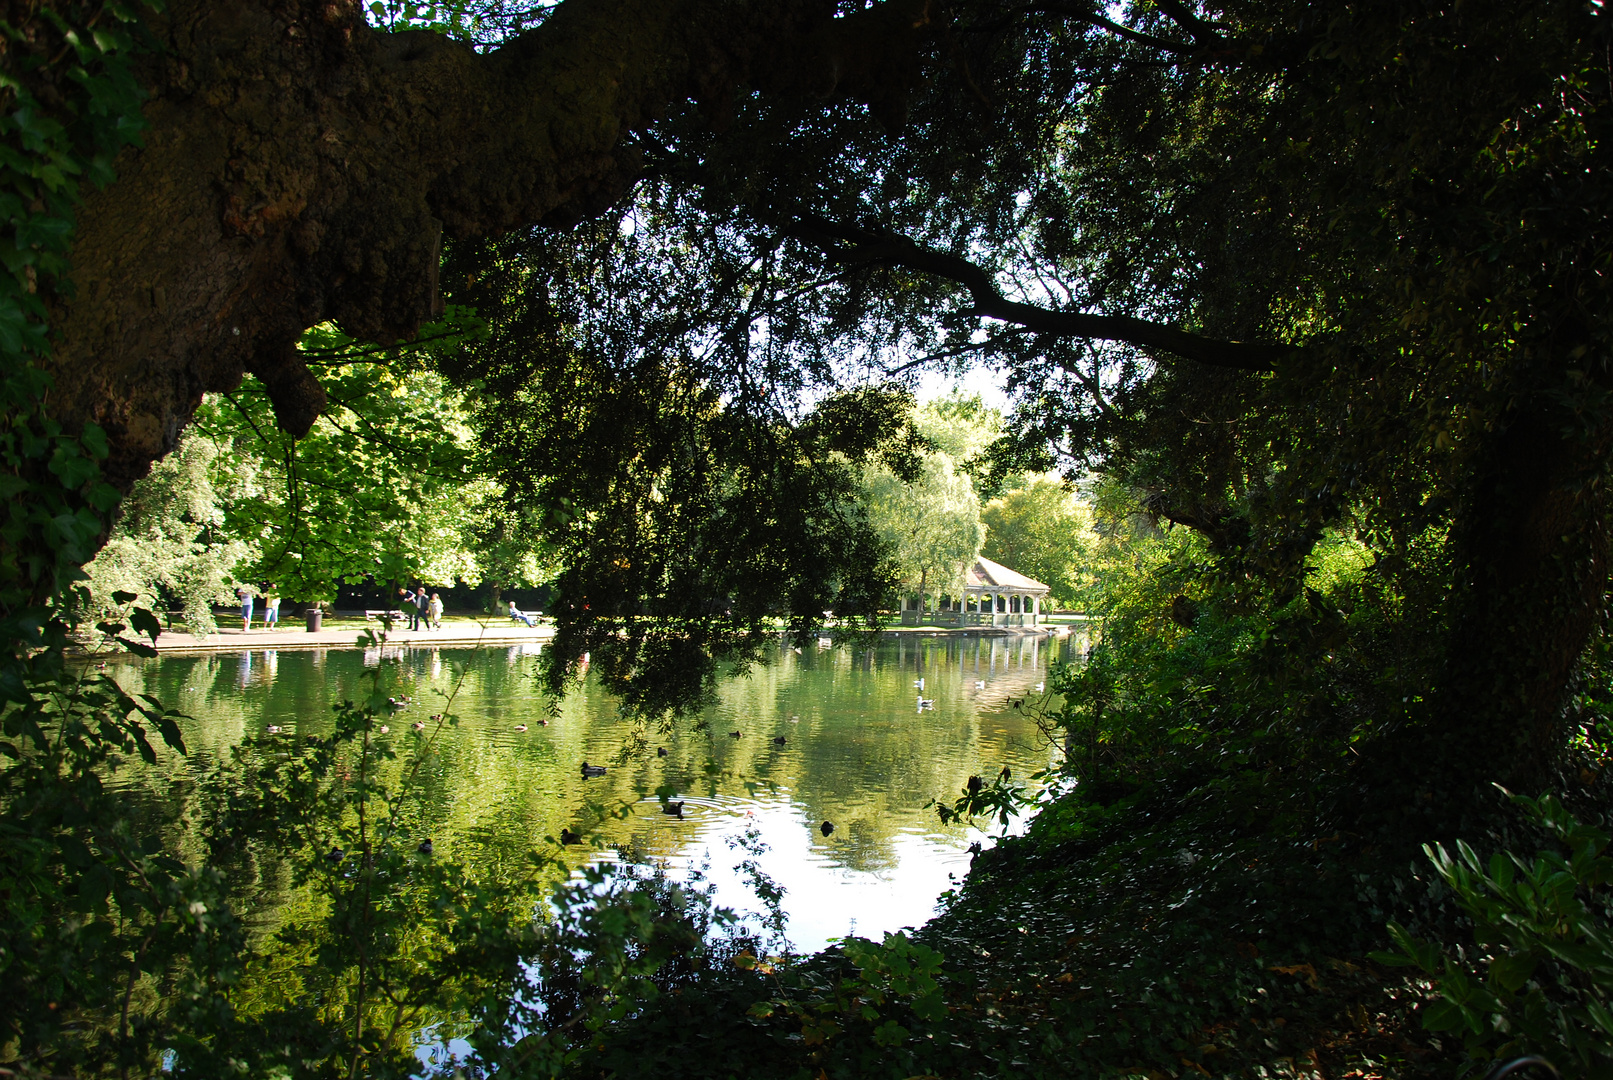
(1284, 267)
(301, 166)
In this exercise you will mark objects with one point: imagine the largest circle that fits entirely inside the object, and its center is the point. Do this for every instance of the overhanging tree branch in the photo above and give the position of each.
(212, 253)
(1087, 14)
(1203, 33)
(848, 244)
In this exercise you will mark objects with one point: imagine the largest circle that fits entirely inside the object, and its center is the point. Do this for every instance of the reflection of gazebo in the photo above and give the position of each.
(993, 595)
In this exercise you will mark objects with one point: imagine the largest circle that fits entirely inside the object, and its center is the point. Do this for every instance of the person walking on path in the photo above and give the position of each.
(434, 612)
(244, 594)
(271, 608)
(422, 603)
(407, 603)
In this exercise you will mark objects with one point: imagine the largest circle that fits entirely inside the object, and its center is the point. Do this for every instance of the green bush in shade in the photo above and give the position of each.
(1541, 975)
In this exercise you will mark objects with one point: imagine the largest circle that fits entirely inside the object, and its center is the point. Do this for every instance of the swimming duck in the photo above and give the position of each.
(660, 751)
(569, 837)
(425, 846)
(926, 703)
(826, 828)
(592, 770)
(1039, 687)
(980, 684)
(918, 684)
(419, 725)
(735, 734)
(385, 729)
(520, 727)
(436, 718)
(274, 729)
(778, 740)
(336, 855)
(673, 809)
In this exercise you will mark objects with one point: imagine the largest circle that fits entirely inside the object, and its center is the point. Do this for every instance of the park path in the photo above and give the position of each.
(295, 636)
(464, 634)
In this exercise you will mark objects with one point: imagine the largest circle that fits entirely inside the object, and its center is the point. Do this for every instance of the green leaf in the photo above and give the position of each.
(145, 622)
(1443, 1015)
(1512, 971)
(890, 1033)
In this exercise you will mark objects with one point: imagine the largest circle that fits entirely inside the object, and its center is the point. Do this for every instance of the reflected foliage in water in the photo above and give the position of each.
(856, 751)
(378, 830)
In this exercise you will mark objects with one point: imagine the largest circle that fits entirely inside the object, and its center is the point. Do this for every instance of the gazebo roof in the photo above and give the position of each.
(985, 575)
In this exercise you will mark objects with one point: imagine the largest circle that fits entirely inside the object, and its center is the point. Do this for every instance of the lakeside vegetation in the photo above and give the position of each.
(1308, 304)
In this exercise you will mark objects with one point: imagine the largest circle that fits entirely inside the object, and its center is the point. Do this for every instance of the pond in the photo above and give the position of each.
(857, 752)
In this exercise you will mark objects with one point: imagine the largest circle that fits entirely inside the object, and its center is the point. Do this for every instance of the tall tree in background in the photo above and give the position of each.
(931, 523)
(1041, 531)
(386, 485)
(389, 486)
(170, 542)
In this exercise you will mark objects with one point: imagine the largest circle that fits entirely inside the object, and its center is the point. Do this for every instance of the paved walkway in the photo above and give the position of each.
(459, 634)
(296, 636)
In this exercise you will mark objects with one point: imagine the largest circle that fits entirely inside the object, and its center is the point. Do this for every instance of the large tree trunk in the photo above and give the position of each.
(302, 167)
(1531, 575)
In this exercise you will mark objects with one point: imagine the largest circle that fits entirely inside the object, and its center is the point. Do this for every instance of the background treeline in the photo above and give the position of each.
(394, 485)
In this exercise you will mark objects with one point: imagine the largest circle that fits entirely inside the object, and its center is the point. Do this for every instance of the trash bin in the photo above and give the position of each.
(316, 619)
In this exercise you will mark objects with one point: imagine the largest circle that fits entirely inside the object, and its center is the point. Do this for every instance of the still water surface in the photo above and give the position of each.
(857, 753)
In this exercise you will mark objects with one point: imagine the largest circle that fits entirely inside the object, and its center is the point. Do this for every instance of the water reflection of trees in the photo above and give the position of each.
(857, 751)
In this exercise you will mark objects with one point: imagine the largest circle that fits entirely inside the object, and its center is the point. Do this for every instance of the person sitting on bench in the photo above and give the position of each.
(517, 615)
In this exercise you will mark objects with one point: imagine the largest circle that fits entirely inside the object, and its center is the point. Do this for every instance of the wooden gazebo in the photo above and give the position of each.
(993, 595)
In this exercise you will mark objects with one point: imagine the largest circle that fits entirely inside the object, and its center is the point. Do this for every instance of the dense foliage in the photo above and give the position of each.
(1280, 269)
(1320, 291)
(390, 486)
(169, 543)
(1045, 532)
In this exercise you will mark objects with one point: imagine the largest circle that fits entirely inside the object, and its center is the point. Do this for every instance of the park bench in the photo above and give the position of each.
(373, 614)
(522, 616)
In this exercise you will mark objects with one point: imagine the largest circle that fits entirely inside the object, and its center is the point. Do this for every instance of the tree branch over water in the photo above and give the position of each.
(849, 244)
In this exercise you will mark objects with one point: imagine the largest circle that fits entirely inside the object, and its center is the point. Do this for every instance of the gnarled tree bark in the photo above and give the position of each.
(301, 166)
